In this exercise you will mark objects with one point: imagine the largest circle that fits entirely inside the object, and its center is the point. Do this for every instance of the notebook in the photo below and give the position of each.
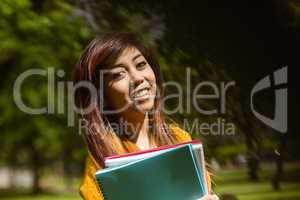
(171, 174)
(117, 160)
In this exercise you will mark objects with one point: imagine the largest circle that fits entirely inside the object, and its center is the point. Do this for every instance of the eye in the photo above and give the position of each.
(141, 65)
(118, 75)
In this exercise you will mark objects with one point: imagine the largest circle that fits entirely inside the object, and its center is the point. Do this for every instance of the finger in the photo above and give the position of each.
(215, 197)
(210, 197)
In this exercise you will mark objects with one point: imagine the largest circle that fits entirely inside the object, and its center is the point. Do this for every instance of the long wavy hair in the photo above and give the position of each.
(101, 139)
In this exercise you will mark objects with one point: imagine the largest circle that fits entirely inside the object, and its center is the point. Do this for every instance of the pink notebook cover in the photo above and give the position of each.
(152, 150)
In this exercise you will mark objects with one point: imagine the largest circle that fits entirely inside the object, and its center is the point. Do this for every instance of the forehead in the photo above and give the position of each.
(129, 54)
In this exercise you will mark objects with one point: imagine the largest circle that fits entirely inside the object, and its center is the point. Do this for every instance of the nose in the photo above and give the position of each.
(136, 78)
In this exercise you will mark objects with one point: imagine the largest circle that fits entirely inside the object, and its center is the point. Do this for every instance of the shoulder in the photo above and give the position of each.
(89, 188)
(180, 134)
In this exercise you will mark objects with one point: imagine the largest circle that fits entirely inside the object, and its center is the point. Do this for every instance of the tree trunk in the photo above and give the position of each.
(253, 166)
(36, 165)
(12, 168)
(252, 144)
(279, 163)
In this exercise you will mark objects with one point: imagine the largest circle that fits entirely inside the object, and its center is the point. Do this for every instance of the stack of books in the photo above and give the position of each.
(175, 172)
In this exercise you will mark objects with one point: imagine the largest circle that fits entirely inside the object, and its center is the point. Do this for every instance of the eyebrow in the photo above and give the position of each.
(136, 56)
(121, 64)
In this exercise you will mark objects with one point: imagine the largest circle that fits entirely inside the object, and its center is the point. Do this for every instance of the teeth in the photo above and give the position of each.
(141, 93)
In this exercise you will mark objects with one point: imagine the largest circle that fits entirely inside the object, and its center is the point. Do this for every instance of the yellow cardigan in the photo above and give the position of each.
(89, 189)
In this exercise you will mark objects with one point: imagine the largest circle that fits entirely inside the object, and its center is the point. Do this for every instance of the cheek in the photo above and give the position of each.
(149, 75)
(152, 79)
(118, 94)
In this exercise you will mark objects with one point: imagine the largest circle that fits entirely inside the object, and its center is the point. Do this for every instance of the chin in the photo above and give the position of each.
(145, 106)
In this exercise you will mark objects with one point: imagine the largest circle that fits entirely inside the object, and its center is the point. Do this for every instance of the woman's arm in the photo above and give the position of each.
(89, 189)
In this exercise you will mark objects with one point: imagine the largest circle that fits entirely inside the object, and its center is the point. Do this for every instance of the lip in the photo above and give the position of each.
(141, 98)
(132, 95)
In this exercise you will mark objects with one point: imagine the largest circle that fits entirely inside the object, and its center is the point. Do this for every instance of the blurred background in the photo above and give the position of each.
(42, 157)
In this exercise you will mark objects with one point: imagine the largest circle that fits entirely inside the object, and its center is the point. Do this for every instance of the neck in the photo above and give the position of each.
(138, 127)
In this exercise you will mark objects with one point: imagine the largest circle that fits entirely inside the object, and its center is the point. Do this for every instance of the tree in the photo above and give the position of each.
(37, 35)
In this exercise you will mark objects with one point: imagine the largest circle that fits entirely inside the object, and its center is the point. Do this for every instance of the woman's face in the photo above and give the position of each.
(130, 83)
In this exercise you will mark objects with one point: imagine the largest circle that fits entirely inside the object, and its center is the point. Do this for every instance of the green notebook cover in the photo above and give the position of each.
(171, 175)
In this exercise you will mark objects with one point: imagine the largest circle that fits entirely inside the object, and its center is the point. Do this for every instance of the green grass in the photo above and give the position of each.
(226, 182)
(235, 182)
(22, 194)
(43, 197)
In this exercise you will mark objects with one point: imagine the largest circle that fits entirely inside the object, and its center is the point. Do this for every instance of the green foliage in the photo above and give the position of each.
(37, 37)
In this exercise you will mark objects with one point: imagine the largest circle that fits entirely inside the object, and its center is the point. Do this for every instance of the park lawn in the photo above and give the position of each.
(236, 182)
(42, 197)
(225, 182)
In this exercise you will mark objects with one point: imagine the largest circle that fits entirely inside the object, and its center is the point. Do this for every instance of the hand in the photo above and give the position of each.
(210, 197)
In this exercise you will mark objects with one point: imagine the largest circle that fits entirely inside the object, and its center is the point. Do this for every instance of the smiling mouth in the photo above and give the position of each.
(142, 94)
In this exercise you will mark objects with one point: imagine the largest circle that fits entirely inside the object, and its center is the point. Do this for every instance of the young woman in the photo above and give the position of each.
(126, 113)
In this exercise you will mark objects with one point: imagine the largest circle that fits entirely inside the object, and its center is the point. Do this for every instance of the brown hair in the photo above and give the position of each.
(100, 137)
